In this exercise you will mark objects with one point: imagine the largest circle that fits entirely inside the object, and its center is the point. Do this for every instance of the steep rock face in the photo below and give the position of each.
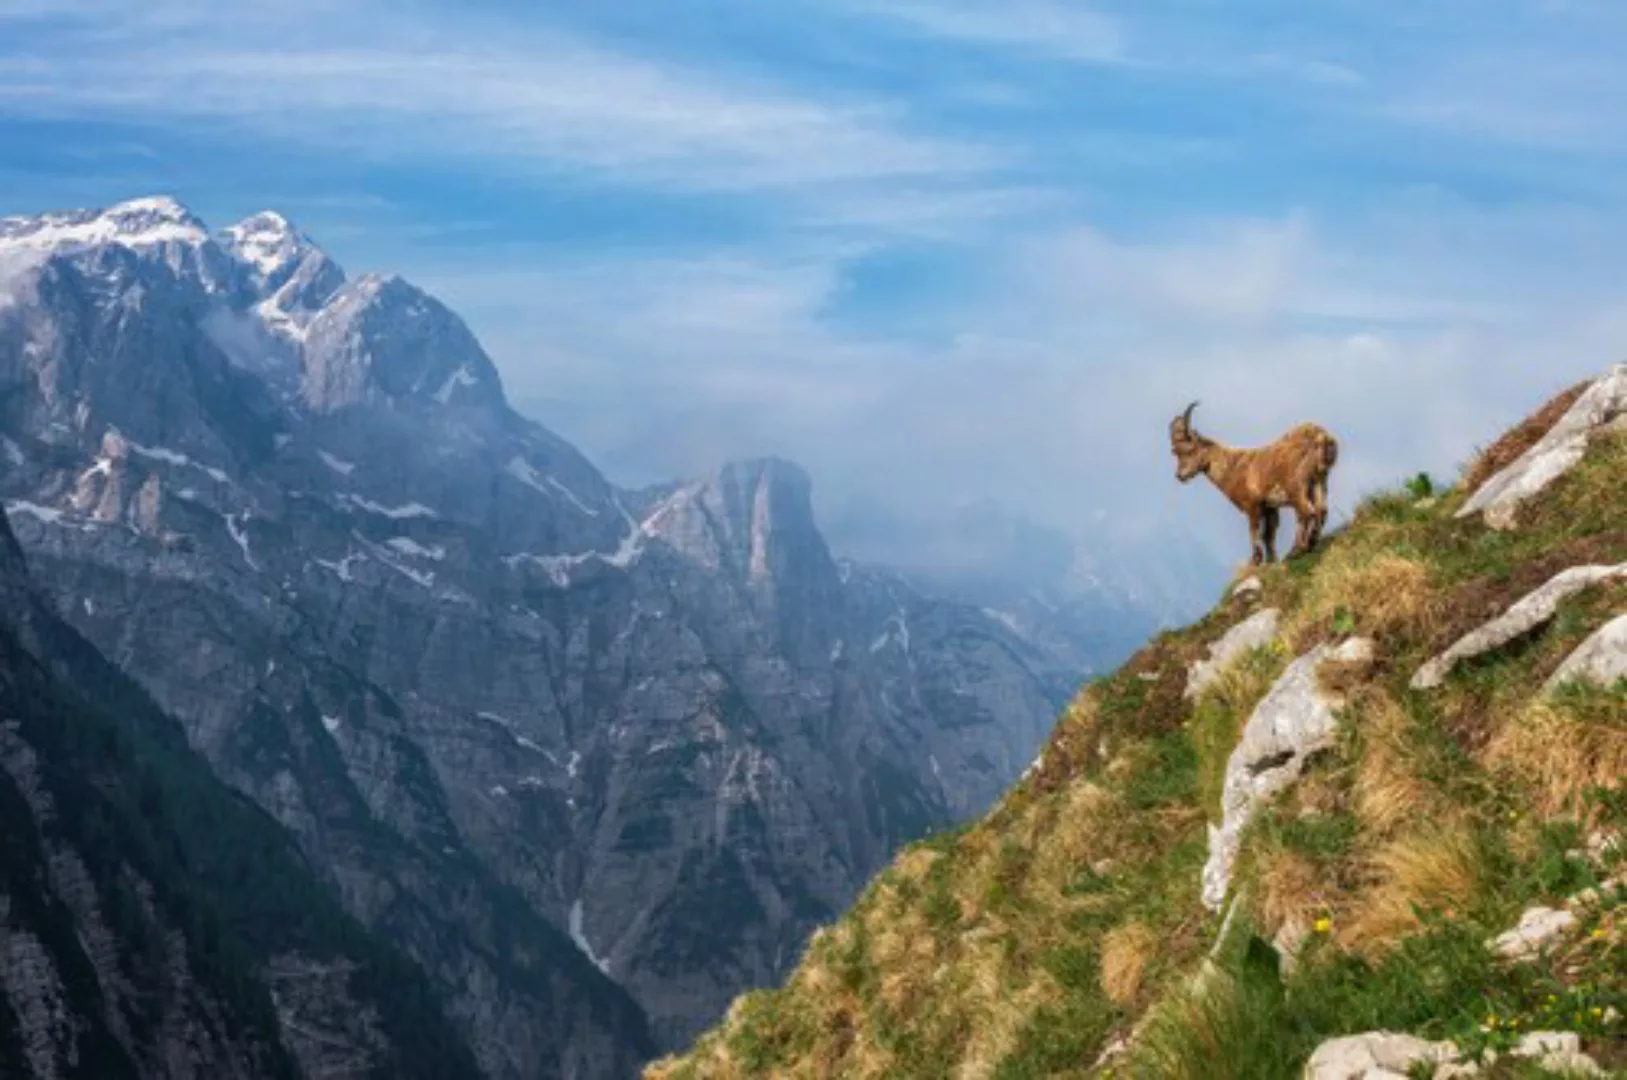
(562, 742)
(379, 340)
(145, 910)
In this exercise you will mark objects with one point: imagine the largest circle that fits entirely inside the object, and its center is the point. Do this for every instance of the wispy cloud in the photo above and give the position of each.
(1065, 31)
(375, 81)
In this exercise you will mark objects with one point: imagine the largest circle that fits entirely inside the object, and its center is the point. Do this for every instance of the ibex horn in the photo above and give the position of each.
(1186, 417)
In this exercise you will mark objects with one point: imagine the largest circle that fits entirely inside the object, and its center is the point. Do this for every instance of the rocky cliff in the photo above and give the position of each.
(1364, 820)
(153, 924)
(596, 759)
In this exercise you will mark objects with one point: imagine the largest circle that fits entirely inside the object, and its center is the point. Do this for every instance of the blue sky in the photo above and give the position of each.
(937, 252)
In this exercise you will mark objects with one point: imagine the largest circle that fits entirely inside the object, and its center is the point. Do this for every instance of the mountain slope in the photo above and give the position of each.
(1289, 826)
(154, 924)
(530, 726)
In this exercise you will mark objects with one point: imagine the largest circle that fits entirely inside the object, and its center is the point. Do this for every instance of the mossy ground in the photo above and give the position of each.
(1068, 918)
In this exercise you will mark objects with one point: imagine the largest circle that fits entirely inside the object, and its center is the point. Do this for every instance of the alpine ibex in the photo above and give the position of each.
(1293, 471)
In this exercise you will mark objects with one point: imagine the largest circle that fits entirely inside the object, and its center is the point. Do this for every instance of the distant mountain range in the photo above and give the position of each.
(594, 759)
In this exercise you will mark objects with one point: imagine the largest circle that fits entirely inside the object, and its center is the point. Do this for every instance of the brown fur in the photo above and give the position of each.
(1290, 472)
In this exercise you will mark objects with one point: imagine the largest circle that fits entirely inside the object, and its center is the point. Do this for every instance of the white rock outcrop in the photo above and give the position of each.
(1295, 720)
(1376, 1055)
(1256, 630)
(1538, 928)
(1600, 660)
(1531, 611)
(1555, 454)
(1249, 586)
(1557, 1051)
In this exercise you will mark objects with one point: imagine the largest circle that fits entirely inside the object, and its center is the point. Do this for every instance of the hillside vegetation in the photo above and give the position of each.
(1064, 934)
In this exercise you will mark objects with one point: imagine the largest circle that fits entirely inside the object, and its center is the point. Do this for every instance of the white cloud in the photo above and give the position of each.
(1049, 387)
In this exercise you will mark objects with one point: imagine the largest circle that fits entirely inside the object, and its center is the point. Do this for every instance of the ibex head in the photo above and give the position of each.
(1191, 450)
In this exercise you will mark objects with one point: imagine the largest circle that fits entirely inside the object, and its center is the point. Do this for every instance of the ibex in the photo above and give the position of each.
(1293, 471)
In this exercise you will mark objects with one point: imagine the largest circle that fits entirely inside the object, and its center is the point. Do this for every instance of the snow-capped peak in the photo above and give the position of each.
(268, 242)
(135, 223)
(163, 207)
(290, 277)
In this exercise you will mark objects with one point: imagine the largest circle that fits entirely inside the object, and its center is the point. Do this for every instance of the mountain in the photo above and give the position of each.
(154, 924)
(1089, 604)
(596, 759)
(1363, 819)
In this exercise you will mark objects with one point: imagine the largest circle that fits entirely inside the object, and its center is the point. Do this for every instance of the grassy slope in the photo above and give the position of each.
(1026, 943)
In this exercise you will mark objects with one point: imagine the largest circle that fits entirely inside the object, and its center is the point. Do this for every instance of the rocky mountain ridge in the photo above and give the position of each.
(153, 924)
(538, 730)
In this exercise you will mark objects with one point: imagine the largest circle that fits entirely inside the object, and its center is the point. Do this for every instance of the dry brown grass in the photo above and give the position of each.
(1560, 754)
(1432, 868)
(1388, 794)
(1126, 952)
(1389, 595)
(1292, 889)
(1506, 450)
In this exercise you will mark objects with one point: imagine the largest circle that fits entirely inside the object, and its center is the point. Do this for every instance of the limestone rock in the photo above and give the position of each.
(1375, 1055)
(1527, 614)
(1295, 720)
(1256, 630)
(1248, 587)
(1499, 498)
(1557, 1051)
(1600, 660)
(1538, 928)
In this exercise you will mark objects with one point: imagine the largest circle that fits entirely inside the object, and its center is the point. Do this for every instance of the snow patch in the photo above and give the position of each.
(1004, 618)
(559, 567)
(337, 464)
(175, 457)
(895, 629)
(573, 497)
(240, 533)
(523, 471)
(581, 939)
(408, 546)
(49, 515)
(572, 765)
(397, 513)
(13, 452)
(461, 377)
(331, 723)
(342, 567)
